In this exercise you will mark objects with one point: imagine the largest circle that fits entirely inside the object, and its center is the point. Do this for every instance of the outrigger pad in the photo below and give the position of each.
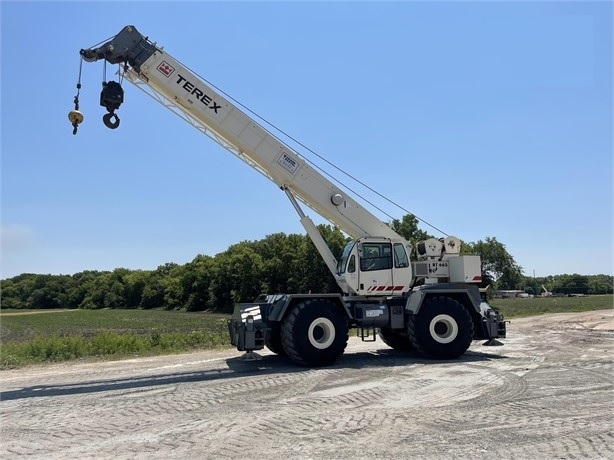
(492, 343)
(250, 356)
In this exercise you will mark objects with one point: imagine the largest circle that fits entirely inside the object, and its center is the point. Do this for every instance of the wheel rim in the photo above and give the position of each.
(321, 333)
(443, 328)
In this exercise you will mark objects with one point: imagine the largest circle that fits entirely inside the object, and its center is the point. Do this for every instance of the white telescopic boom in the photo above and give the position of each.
(177, 88)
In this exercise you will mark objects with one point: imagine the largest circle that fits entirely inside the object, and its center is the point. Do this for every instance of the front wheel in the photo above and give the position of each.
(314, 333)
(443, 328)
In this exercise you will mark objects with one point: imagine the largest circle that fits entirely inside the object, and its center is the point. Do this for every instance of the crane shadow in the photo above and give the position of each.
(234, 368)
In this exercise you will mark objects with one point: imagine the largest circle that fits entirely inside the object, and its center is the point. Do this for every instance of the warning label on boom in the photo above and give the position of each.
(288, 163)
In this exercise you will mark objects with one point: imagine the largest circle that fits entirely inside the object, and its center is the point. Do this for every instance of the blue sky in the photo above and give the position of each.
(485, 119)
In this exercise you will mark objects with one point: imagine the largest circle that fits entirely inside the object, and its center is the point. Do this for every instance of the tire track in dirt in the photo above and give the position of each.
(539, 396)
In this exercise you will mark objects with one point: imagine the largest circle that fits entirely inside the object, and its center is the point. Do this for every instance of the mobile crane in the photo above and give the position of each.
(432, 304)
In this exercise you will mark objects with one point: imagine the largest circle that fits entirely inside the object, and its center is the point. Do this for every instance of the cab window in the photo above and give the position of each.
(400, 256)
(352, 264)
(376, 256)
(344, 258)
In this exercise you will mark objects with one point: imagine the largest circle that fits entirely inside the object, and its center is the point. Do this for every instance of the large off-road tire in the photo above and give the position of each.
(314, 333)
(273, 343)
(442, 329)
(397, 340)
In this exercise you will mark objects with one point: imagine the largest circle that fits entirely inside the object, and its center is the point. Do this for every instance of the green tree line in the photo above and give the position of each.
(279, 263)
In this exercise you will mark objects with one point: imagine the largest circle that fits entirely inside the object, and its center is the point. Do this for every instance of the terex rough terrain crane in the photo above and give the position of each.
(432, 304)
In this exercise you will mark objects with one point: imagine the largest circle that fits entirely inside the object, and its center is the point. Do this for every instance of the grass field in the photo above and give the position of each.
(515, 308)
(39, 336)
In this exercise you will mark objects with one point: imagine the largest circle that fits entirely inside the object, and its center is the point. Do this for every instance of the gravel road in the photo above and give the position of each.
(547, 393)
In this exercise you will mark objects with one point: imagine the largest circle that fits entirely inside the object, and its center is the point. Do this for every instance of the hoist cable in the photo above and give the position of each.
(79, 83)
(325, 160)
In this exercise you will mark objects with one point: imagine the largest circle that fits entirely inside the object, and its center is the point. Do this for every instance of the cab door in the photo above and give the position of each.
(375, 268)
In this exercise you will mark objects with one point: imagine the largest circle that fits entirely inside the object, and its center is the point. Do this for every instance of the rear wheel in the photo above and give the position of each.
(314, 333)
(397, 340)
(443, 328)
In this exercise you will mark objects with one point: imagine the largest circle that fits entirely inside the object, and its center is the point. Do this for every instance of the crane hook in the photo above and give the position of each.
(108, 121)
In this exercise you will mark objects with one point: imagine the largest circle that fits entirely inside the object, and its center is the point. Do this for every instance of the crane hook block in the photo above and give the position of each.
(111, 96)
(110, 120)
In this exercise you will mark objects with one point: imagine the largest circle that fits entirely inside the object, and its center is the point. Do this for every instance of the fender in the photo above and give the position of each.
(278, 304)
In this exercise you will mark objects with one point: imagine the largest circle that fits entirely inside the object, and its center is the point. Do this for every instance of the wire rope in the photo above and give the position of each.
(264, 120)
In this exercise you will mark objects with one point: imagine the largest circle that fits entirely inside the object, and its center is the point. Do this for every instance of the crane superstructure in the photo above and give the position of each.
(432, 304)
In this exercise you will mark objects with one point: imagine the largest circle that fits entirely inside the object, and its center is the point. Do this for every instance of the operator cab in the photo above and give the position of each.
(375, 266)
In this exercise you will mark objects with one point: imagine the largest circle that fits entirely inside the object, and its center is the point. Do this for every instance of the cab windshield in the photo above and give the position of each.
(344, 257)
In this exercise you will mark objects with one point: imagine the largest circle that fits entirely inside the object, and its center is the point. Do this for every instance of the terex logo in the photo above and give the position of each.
(198, 93)
(165, 68)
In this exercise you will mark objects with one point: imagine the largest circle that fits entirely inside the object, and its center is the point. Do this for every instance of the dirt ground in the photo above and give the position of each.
(546, 393)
